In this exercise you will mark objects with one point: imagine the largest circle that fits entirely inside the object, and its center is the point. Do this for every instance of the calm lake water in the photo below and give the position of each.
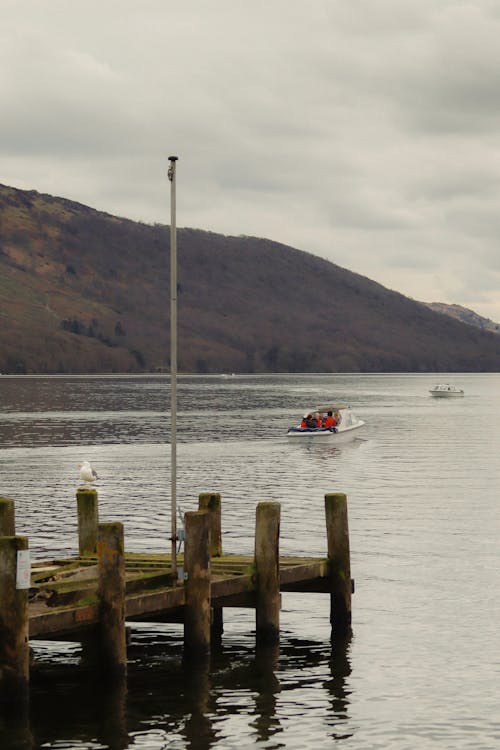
(422, 669)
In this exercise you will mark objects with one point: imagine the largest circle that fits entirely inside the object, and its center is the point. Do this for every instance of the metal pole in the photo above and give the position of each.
(173, 364)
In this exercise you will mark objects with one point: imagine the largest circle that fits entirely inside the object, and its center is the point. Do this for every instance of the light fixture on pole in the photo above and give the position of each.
(173, 364)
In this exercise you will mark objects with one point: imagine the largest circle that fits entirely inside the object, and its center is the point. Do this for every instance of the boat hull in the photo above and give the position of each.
(341, 436)
(447, 394)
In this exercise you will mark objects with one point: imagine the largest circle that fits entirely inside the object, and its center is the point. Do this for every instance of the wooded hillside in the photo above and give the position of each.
(466, 316)
(83, 291)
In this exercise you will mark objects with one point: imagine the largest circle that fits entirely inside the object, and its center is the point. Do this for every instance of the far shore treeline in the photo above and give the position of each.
(82, 291)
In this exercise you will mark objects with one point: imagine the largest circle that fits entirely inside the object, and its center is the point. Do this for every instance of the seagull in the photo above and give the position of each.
(87, 473)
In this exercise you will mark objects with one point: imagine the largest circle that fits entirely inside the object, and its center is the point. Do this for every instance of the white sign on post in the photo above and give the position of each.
(23, 576)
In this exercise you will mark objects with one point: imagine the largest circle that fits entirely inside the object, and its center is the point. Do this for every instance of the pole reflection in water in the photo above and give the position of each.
(112, 715)
(71, 700)
(198, 729)
(267, 687)
(340, 669)
(170, 702)
(15, 733)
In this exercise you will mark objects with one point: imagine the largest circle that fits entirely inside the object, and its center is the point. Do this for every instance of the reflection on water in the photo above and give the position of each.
(422, 483)
(241, 697)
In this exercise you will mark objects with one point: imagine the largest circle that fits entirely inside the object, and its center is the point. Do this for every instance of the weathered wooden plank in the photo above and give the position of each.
(243, 600)
(156, 601)
(303, 572)
(232, 585)
(62, 620)
(231, 570)
(225, 587)
(56, 572)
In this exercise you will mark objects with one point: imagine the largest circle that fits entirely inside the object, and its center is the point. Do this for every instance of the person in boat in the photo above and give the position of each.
(329, 421)
(309, 423)
(321, 419)
(317, 417)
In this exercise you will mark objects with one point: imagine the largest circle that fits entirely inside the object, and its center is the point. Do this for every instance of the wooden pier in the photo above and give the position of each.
(94, 594)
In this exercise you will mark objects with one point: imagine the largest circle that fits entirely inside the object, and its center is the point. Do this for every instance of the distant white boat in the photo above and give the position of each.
(445, 390)
(346, 428)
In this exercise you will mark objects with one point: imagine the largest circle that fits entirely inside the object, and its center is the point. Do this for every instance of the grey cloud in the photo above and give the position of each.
(363, 132)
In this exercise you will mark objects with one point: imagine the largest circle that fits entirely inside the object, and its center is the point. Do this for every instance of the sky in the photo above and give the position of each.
(366, 132)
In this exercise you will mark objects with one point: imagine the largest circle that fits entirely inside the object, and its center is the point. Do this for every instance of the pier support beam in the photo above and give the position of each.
(88, 521)
(111, 561)
(211, 502)
(7, 517)
(197, 567)
(339, 562)
(267, 531)
(14, 646)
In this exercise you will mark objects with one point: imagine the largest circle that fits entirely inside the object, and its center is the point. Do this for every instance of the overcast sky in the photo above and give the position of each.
(363, 131)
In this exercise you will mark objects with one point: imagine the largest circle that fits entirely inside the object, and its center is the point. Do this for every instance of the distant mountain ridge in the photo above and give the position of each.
(84, 291)
(465, 315)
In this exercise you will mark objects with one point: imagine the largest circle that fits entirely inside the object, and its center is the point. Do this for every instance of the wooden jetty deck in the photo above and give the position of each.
(95, 593)
(64, 593)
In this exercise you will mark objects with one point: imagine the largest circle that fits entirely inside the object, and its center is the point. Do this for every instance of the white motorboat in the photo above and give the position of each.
(346, 427)
(445, 390)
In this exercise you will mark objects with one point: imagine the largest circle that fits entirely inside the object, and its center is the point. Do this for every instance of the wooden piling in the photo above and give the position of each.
(14, 646)
(7, 517)
(267, 529)
(197, 568)
(238, 581)
(211, 502)
(111, 591)
(88, 521)
(339, 563)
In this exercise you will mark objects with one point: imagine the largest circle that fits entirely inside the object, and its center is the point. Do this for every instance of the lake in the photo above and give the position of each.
(421, 669)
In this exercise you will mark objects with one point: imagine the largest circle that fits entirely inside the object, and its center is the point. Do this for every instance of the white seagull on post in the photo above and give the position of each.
(87, 473)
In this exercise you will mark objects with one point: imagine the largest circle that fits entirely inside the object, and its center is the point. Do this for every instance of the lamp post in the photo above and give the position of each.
(173, 364)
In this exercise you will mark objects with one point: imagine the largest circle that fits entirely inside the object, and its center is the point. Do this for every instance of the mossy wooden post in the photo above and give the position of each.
(267, 531)
(88, 521)
(197, 567)
(210, 501)
(339, 562)
(7, 517)
(111, 592)
(14, 645)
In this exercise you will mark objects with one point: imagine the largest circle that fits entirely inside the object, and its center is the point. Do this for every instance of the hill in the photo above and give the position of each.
(84, 291)
(465, 315)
